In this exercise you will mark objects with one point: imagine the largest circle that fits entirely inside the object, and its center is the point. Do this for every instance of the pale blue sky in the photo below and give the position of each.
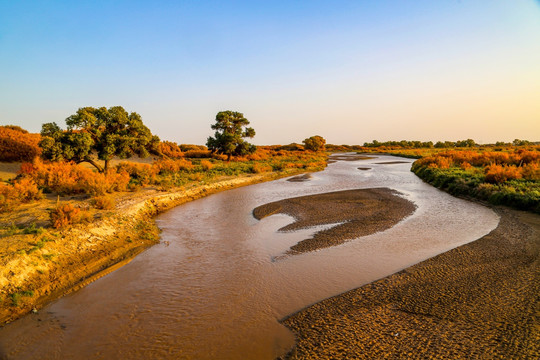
(351, 71)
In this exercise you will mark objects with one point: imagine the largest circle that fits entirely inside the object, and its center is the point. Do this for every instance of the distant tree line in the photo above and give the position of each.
(421, 144)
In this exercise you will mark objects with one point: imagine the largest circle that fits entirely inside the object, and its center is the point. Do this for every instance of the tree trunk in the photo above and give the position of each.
(229, 157)
(93, 163)
(106, 166)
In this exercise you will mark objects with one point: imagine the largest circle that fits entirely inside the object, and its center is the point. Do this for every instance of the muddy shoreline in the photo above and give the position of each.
(480, 300)
(85, 252)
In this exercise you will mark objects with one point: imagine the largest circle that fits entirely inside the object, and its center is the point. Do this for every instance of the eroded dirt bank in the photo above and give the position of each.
(478, 301)
(81, 253)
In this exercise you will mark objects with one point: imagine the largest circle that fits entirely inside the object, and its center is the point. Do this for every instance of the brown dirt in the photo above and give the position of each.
(9, 170)
(360, 212)
(38, 268)
(478, 301)
(300, 178)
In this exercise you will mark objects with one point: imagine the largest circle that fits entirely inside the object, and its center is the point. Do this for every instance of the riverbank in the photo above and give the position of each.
(480, 300)
(37, 268)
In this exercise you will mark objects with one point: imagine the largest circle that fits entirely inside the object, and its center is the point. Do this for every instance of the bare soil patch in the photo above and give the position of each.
(359, 212)
(300, 178)
(478, 301)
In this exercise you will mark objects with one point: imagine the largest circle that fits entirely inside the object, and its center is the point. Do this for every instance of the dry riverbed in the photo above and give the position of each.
(478, 301)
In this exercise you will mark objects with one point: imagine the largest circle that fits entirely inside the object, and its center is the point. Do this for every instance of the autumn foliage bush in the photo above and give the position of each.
(170, 149)
(140, 174)
(197, 154)
(171, 166)
(103, 202)
(20, 191)
(501, 177)
(66, 178)
(206, 165)
(67, 214)
(17, 144)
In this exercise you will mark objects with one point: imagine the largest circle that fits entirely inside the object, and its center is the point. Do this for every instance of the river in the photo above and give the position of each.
(216, 285)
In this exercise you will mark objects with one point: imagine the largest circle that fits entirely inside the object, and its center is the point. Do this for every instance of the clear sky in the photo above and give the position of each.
(351, 71)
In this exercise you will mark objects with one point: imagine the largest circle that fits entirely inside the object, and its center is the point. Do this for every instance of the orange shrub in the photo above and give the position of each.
(170, 149)
(531, 171)
(21, 191)
(98, 184)
(171, 166)
(69, 178)
(261, 168)
(143, 174)
(26, 190)
(441, 162)
(190, 147)
(104, 202)
(197, 154)
(206, 165)
(219, 156)
(17, 145)
(501, 173)
(260, 154)
(64, 214)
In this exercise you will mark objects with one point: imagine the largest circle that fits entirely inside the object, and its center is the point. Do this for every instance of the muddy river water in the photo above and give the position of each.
(216, 285)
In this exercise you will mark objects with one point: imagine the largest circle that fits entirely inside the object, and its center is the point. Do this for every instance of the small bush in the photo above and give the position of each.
(23, 190)
(64, 214)
(498, 173)
(171, 166)
(206, 165)
(104, 202)
(190, 147)
(261, 168)
(140, 174)
(171, 149)
(197, 154)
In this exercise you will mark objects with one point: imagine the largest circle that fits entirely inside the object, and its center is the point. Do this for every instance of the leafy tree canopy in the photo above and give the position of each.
(314, 143)
(231, 129)
(100, 132)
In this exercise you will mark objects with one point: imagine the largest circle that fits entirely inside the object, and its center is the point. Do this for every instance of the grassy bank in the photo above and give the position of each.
(40, 262)
(511, 178)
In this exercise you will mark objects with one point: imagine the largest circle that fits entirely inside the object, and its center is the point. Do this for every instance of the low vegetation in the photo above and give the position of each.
(17, 144)
(510, 177)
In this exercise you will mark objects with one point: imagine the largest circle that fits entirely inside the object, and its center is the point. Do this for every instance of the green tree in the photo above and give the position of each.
(231, 129)
(98, 133)
(314, 143)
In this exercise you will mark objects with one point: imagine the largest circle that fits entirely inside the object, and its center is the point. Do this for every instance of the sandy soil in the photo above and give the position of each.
(478, 301)
(300, 178)
(357, 213)
(9, 170)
